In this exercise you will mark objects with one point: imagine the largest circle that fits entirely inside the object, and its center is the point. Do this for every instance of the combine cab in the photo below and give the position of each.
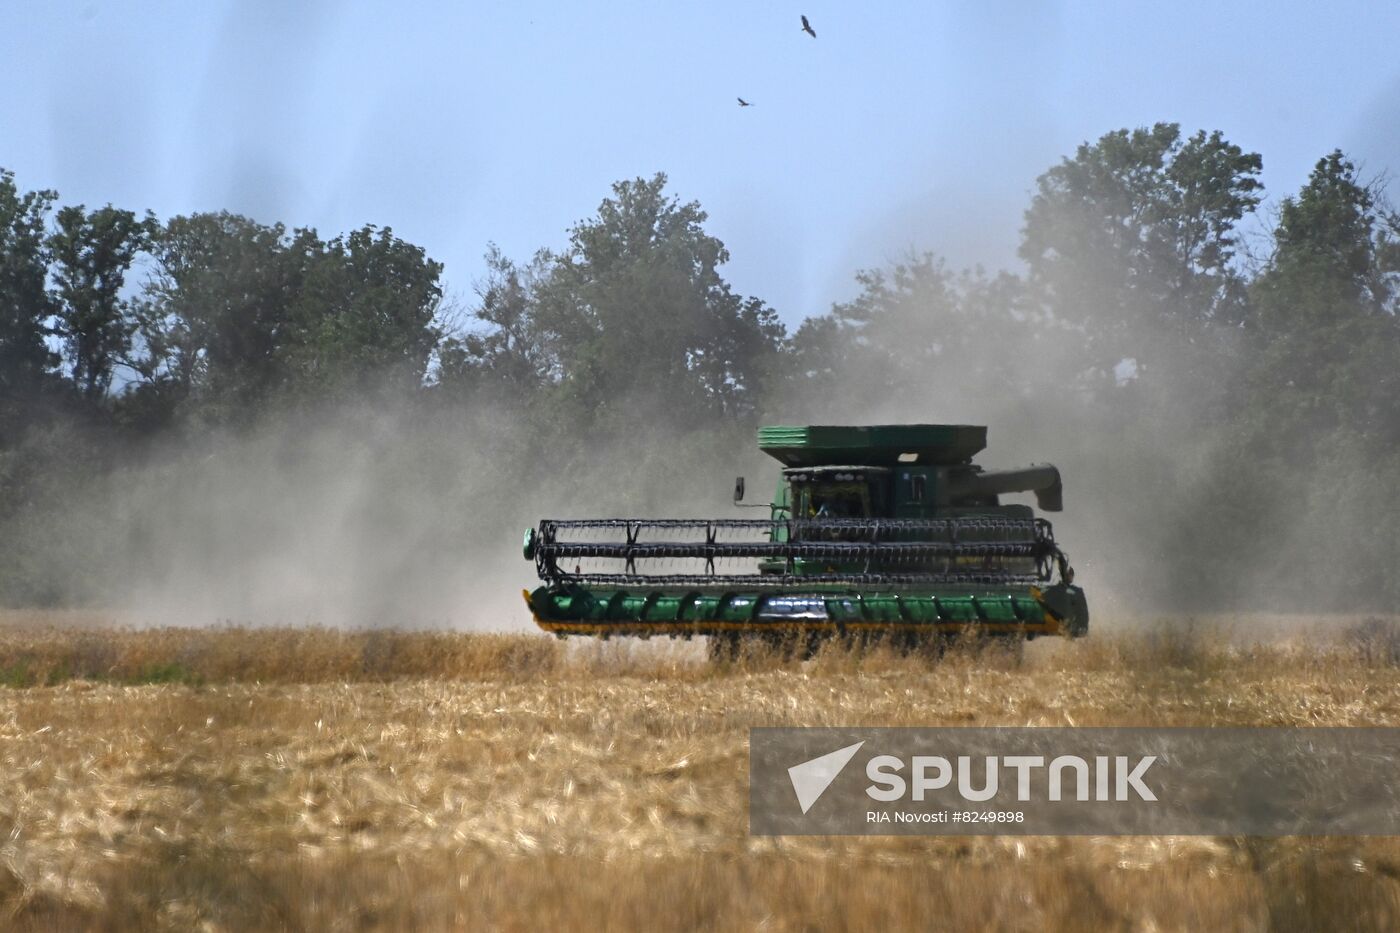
(886, 530)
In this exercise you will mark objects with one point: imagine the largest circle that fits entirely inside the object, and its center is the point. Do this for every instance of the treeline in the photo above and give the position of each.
(229, 316)
(1224, 378)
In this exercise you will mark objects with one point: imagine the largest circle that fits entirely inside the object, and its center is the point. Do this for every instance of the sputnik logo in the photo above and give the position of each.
(811, 778)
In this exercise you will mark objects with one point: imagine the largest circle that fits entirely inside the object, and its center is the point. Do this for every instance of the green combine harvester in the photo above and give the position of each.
(886, 531)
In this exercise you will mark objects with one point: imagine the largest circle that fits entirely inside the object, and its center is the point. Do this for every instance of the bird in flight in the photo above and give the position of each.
(807, 27)
(743, 103)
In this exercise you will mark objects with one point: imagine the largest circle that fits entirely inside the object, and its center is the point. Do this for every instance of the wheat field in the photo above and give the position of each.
(230, 779)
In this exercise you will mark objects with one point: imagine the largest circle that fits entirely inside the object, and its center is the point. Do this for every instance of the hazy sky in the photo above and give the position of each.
(903, 125)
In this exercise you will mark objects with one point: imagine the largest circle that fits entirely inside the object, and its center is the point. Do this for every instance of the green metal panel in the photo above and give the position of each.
(958, 609)
(922, 609)
(997, 610)
(844, 610)
(882, 607)
(657, 606)
(871, 445)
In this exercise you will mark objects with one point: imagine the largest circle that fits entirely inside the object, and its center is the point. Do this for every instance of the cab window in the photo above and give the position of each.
(832, 500)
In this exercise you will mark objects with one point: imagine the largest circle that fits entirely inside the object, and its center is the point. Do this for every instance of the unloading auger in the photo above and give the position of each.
(884, 529)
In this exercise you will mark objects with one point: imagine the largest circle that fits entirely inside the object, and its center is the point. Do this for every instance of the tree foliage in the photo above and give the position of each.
(240, 314)
(634, 311)
(919, 327)
(26, 360)
(364, 313)
(636, 306)
(91, 253)
(1135, 238)
(1327, 340)
(507, 354)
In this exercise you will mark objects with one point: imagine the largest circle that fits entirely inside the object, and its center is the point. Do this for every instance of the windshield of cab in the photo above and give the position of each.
(831, 500)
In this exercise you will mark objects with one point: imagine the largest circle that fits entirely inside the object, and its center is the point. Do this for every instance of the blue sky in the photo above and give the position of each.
(902, 126)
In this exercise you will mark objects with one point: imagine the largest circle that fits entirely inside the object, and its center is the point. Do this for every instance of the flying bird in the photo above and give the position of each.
(743, 103)
(807, 27)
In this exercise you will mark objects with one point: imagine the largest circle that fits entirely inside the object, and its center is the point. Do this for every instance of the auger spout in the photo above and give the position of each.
(1039, 478)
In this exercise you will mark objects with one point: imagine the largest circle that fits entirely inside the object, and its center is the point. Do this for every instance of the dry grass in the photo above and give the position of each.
(336, 780)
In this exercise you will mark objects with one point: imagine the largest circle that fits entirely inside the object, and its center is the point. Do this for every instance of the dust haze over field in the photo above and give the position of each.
(1147, 486)
(374, 513)
(362, 516)
(370, 516)
(1123, 480)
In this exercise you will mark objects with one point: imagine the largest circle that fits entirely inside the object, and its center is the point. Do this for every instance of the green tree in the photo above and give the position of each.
(239, 315)
(1134, 238)
(920, 337)
(26, 361)
(506, 354)
(214, 320)
(919, 327)
(1325, 326)
(91, 253)
(364, 312)
(637, 311)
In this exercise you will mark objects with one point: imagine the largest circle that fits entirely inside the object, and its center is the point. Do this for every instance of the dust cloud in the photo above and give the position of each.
(1166, 513)
(373, 514)
(366, 514)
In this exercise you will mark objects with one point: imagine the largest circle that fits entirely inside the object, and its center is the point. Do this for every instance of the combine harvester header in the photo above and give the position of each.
(885, 529)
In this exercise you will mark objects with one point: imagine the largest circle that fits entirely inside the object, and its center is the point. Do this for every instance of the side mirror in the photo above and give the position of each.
(738, 489)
